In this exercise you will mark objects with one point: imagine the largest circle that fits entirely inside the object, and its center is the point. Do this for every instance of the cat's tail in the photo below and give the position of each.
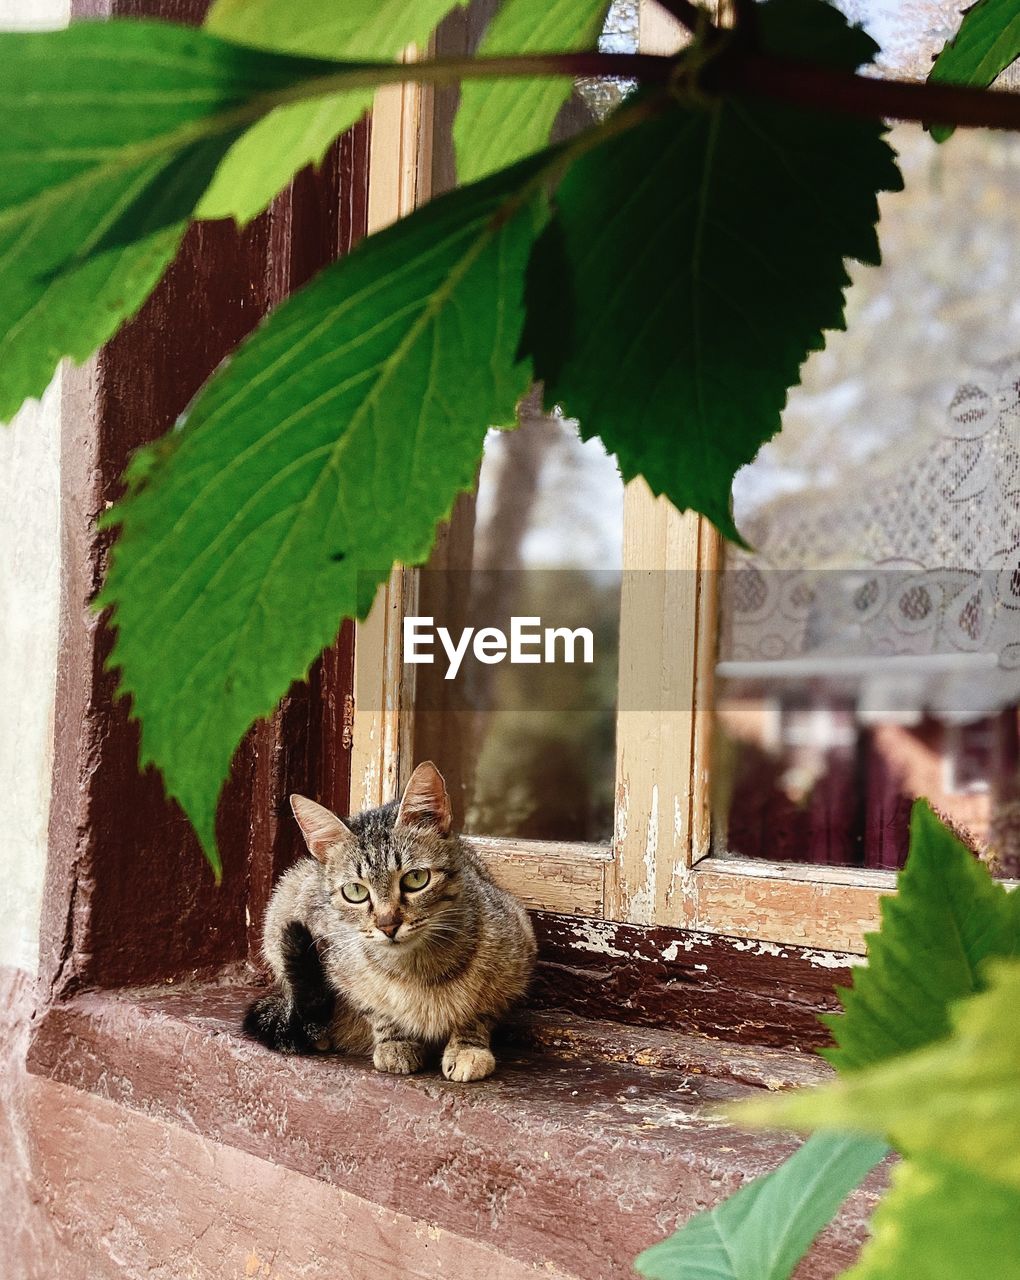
(298, 1021)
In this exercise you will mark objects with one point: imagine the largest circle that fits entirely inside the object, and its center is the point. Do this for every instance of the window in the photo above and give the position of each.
(750, 798)
(528, 748)
(870, 645)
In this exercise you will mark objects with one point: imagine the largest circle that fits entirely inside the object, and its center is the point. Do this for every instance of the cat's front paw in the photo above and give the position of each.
(470, 1063)
(398, 1057)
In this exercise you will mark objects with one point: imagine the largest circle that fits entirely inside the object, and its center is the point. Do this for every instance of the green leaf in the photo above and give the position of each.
(325, 30)
(329, 447)
(987, 43)
(940, 1223)
(947, 919)
(271, 153)
(499, 122)
(763, 1231)
(954, 1102)
(694, 263)
(108, 133)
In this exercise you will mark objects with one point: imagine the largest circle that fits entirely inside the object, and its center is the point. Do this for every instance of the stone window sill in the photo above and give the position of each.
(592, 1141)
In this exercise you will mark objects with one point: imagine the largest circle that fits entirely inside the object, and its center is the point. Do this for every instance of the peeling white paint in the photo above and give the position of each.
(652, 834)
(673, 951)
(641, 904)
(820, 959)
(593, 935)
(691, 941)
(834, 959)
(759, 947)
(620, 827)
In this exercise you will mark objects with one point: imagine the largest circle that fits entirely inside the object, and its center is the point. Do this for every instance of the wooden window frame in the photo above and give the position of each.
(657, 870)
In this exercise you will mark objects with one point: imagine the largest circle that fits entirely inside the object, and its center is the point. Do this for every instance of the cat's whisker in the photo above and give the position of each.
(449, 931)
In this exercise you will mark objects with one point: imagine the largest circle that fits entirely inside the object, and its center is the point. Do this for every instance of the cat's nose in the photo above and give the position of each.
(389, 928)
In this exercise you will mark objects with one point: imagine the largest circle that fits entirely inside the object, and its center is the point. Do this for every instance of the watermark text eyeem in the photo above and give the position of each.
(528, 641)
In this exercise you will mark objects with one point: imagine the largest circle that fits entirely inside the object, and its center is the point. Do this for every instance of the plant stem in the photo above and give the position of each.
(733, 69)
(646, 67)
(804, 85)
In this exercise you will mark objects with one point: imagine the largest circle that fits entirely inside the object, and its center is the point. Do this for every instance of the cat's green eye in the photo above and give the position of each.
(354, 892)
(415, 880)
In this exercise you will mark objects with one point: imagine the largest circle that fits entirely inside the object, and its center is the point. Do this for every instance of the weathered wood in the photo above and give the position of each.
(93, 1190)
(667, 650)
(654, 726)
(548, 876)
(785, 903)
(105, 1171)
(129, 897)
(706, 646)
(591, 1039)
(741, 990)
(567, 1158)
(302, 747)
(827, 909)
(399, 179)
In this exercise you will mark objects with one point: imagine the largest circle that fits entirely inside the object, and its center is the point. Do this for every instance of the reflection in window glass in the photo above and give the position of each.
(870, 648)
(529, 750)
(620, 34)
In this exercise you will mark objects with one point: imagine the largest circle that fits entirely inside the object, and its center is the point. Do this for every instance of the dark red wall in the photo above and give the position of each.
(129, 897)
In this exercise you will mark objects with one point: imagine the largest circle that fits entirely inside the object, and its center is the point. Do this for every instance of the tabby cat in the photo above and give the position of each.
(392, 939)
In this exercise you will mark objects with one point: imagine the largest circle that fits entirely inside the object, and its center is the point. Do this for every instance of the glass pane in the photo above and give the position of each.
(529, 750)
(870, 648)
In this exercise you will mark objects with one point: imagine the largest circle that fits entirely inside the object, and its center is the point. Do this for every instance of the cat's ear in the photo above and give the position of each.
(321, 829)
(425, 802)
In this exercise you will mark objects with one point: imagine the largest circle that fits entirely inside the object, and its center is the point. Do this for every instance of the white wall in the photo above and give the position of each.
(28, 14)
(29, 602)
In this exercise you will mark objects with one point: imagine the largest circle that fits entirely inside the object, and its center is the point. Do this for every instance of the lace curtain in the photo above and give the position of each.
(879, 622)
(870, 645)
(924, 563)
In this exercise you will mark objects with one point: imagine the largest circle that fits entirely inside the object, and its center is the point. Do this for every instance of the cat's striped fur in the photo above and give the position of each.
(405, 970)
